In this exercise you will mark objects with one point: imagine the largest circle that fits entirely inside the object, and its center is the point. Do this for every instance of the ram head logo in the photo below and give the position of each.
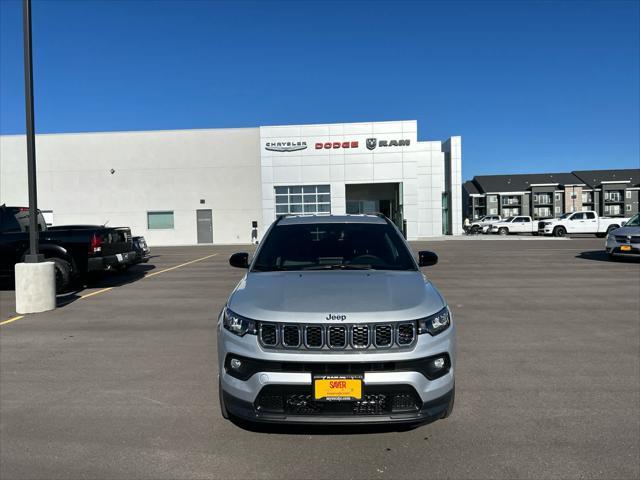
(372, 143)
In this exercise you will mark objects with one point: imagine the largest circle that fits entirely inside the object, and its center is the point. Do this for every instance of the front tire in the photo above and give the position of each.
(503, 231)
(559, 232)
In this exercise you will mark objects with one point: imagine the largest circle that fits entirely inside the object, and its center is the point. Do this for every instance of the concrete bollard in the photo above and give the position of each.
(35, 287)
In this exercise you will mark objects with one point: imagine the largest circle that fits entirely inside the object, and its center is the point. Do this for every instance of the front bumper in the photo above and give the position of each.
(107, 262)
(428, 395)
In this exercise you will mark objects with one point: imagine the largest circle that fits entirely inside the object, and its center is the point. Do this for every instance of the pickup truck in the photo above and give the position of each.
(580, 222)
(516, 224)
(76, 250)
(483, 224)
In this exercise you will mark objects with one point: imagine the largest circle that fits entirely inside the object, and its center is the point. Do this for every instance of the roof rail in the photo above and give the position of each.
(384, 217)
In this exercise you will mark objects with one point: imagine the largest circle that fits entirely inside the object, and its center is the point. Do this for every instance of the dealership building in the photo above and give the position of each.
(226, 186)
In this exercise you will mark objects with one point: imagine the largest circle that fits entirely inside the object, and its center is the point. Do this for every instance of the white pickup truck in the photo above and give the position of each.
(517, 224)
(482, 225)
(579, 222)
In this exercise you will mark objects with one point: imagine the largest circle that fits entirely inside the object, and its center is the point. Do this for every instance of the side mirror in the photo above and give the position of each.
(239, 260)
(427, 258)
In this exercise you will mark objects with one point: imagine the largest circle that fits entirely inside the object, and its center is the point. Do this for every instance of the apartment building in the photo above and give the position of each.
(611, 193)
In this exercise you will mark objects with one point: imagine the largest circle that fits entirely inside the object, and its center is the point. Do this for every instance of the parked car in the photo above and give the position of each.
(334, 322)
(74, 249)
(516, 224)
(483, 224)
(579, 222)
(624, 240)
(142, 251)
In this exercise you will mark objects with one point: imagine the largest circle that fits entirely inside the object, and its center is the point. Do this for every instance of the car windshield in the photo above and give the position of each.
(633, 221)
(508, 219)
(565, 215)
(332, 246)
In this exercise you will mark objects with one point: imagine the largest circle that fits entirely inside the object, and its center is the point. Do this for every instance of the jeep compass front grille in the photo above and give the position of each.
(360, 336)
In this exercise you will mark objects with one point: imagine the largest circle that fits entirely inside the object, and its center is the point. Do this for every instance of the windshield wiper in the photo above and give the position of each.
(338, 266)
(268, 268)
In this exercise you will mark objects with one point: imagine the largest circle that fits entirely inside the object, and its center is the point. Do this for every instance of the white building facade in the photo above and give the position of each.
(226, 186)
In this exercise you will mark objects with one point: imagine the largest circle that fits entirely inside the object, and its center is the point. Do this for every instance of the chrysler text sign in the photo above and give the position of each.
(285, 146)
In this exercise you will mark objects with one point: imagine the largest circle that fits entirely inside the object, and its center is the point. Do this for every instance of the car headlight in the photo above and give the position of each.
(435, 324)
(238, 324)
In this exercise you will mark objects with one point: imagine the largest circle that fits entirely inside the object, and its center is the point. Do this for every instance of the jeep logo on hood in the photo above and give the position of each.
(333, 316)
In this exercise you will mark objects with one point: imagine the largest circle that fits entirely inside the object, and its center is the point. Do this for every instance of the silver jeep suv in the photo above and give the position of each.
(334, 323)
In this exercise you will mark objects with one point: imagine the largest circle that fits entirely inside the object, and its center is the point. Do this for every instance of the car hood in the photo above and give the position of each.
(626, 231)
(312, 296)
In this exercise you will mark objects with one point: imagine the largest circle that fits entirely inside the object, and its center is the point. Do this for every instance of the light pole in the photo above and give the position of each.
(35, 278)
(33, 256)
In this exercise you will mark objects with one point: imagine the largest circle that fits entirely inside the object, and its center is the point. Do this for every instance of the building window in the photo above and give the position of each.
(612, 209)
(627, 194)
(301, 199)
(614, 196)
(543, 212)
(542, 198)
(492, 198)
(511, 212)
(558, 197)
(160, 220)
(628, 207)
(493, 211)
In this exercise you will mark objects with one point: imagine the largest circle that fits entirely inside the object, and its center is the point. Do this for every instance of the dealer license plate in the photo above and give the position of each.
(625, 248)
(337, 387)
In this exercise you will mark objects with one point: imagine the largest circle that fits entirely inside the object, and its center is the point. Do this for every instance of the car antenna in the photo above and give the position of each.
(105, 223)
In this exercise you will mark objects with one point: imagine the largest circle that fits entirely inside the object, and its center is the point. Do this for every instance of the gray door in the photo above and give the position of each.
(205, 226)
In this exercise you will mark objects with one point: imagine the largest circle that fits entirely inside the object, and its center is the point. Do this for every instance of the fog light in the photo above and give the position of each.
(235, 363)
(438, 363)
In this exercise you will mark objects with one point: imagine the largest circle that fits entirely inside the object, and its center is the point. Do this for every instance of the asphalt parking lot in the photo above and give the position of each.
(120, 382)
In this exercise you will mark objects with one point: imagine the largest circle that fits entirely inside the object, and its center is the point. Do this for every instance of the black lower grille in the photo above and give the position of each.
(298, 400)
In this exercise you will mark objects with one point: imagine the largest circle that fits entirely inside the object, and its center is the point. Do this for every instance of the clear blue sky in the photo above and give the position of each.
(530, 86)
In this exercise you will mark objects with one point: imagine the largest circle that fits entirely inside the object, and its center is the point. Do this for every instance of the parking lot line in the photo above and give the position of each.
(96, 292)
(12, 319)
(104, 290)
(181, 265)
